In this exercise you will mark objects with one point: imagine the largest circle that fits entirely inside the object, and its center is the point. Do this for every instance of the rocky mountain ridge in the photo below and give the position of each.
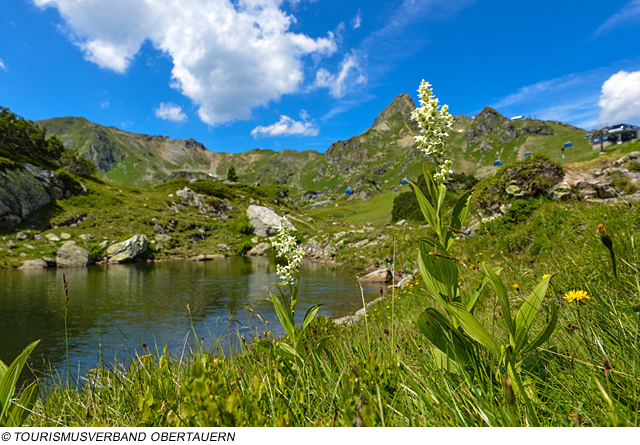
(372, 161)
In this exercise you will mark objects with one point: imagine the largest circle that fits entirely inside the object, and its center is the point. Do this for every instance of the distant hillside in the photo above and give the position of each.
(375, 160)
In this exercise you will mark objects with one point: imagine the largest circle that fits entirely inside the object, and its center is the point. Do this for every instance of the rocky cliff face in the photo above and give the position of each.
(25, 188)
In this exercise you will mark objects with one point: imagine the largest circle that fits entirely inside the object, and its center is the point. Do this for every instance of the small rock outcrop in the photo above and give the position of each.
(264, 221)
(34, 264)
(259, 250)
(70, 255)
(128, 250)
(377, 276)
(26, 188)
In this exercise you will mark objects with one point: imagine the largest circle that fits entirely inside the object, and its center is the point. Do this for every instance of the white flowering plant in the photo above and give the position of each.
(285, 306)
(435, 125)
(454, 332)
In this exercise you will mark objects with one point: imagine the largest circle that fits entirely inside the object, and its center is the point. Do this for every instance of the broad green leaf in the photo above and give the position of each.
(431, 185)
(460, 211)
(442, 269)
(287, 351)
(294, 295)
(441, 333)
(309, 316)
(284, 314)
(10, 378)
(3, 369)
(438, 290)
(283, 294)
(474, 298)
(442, 193)
(545, 333)
(20, 411)
(320, 345)
(474, 329)
(432, 242)
(443, 361)
(503, 299)
(527, 313)
(427, 209)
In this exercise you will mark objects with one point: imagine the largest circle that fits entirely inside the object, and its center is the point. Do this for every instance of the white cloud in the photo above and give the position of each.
(620, 98)
(286, 127)
(3, 66)
(104, 105)
(350, 75)
(228, 56)
(356, 22)
(572, 99)
(170, 112)
(628, 15)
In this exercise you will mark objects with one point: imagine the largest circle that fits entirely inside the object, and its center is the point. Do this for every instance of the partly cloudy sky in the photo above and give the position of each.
(301, 74)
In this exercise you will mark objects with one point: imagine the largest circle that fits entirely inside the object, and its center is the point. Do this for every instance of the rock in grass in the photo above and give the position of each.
(34, 264)
(128, 250)
(378, 276)
(259, 250)
(264, 221)
(70, 255)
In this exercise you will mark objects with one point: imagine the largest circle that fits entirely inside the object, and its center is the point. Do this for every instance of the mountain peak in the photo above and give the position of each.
(400, 108)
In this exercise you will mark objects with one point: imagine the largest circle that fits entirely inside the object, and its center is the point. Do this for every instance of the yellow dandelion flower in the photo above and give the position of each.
(516, 286)
(576, 295)
(547, 275)
(375, 309)
(389, 316)
(387, 307)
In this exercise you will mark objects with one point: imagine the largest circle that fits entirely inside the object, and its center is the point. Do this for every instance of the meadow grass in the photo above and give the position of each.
(381, 372)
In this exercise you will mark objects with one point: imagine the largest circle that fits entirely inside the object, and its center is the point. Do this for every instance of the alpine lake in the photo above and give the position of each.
(120, 311)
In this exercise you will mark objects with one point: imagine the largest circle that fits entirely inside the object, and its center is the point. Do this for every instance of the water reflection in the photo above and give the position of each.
(114, 309)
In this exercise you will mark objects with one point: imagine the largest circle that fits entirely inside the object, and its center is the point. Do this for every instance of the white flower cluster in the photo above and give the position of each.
(286, 247)
(434, 128)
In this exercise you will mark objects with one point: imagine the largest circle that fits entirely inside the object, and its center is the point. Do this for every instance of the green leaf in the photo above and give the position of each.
(436, 288)
(476, 295)
(10, 378)
(442, 192)
(287, 351)
(441, 269)
(527, 313)
(474, 329)
(284, 314)
(434, 243)
(320, 345)
(310, 315)
(503, 299)
(431, 185)
(544, 335)
(20, 411)
(427, 209)
(460, 211)
(444, 336)
(294, 295)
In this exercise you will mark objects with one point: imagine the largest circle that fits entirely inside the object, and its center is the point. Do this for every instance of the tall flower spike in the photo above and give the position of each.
(434, 125)
(287, 248)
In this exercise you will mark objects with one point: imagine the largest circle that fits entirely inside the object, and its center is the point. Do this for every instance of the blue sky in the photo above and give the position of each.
(301, 74)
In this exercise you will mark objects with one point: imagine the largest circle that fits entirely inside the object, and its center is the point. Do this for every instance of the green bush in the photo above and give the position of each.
(242, 225)
(77, 165)
(69, 181)
(24, 141)
(212, 188)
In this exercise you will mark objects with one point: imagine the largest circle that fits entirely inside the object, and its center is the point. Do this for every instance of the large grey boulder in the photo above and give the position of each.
(70, 255)
(377, 276)
(128, 250)
(259, 250)
(26, 188)
(264, 221)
